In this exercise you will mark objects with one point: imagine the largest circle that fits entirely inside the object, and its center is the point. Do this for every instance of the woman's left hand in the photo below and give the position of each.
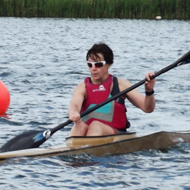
(149, 84)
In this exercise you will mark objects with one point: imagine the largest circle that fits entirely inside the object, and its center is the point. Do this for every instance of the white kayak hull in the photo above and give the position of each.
(126, 144)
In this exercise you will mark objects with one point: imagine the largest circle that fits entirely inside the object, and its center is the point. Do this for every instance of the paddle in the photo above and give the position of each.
(33, 139)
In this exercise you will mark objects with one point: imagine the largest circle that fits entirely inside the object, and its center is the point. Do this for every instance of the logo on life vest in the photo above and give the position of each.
(101, 88)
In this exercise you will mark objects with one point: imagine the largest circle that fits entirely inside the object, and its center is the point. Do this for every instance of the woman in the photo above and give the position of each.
(111, 118)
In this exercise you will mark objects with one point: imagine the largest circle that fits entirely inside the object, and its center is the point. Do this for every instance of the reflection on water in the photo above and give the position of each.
(42, 60)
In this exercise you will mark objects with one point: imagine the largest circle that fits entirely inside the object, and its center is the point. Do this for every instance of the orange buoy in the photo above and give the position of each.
(4, 98)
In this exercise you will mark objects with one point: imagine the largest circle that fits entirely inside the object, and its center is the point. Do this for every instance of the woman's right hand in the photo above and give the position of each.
(75, 117)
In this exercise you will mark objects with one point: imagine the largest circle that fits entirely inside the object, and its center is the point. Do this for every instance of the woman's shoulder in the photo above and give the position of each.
(80, 89)
(123, 83)
(81, 85)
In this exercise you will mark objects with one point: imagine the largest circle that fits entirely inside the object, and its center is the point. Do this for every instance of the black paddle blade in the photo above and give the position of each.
(29, 139)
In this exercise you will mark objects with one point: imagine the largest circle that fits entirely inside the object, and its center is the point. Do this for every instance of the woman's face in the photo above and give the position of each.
(98, 74)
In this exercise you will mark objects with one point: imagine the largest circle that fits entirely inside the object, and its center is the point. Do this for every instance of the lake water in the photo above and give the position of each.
(42, 60)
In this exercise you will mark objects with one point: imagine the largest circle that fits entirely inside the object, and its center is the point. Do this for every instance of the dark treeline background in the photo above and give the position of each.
(145, 9)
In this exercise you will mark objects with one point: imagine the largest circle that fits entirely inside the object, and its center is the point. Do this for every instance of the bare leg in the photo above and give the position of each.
(97, 128)
(79, 129)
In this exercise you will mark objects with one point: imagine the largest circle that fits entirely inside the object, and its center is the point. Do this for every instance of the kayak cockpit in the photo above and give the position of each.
(82, 141)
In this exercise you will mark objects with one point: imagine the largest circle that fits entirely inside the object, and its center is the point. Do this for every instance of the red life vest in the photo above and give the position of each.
(112, 114)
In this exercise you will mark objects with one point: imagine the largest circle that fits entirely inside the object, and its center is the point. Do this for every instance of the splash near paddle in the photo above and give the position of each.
(4, 98)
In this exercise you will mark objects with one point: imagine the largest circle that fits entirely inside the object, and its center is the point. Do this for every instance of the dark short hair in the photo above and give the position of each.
(102, 48)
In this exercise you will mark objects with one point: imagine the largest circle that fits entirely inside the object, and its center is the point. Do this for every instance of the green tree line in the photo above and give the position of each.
(139, 9)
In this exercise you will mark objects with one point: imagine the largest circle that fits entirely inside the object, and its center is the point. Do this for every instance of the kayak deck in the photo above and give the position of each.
(80, 141)
(159, 140)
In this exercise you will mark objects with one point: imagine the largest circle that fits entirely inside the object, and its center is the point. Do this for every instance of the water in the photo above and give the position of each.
(41, 62)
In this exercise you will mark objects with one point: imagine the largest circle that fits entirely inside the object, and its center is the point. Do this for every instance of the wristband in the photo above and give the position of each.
(149, 93)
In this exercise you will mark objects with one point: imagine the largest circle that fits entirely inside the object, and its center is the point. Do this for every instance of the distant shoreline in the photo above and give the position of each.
(123, 9)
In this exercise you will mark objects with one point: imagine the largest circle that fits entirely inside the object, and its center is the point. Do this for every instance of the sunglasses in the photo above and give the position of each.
(97, 64)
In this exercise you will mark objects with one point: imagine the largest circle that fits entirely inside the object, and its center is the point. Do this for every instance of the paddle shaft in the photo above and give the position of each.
(183, 60)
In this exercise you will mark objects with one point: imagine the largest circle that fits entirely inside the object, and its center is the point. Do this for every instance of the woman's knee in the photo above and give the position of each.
(79, 129)
(95, 124)
(97, 127)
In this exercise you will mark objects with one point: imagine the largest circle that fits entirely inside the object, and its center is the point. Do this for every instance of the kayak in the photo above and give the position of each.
(106, 145)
